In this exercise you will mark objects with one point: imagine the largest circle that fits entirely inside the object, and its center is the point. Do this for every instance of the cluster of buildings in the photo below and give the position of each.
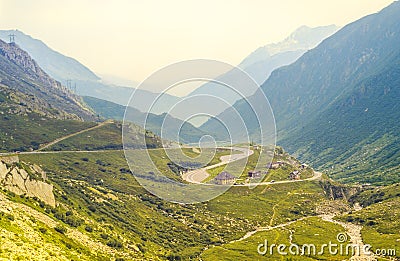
(225, 178)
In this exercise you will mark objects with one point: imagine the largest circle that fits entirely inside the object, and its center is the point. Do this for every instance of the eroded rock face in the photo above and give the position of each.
(339, 191)
(30, 180)
(30, 89)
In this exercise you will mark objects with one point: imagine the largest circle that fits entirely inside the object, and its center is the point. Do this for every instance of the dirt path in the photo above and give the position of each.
(260, 229)
(354, 232)
(101, 124)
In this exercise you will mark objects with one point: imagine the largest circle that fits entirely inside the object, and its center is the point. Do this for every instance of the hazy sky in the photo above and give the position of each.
(131, 39)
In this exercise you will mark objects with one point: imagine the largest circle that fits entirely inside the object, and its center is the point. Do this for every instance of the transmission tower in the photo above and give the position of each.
(12, 38)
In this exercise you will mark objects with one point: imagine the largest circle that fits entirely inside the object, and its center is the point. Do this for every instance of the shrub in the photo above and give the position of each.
(60, 229)
(104, 236)
(92, 208)
(73, 221)
(42, 230)
(371, 223)
(89, 229)
(114, 243)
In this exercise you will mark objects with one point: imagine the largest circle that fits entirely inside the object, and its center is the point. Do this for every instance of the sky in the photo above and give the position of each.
(131, 39)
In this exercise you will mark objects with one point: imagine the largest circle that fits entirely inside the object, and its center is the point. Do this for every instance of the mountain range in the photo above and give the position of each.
(84, 82)
(260, 63)
(68, 192)
(162, 124)
(264, 60)
(77, 77)
(332, 92)
(336, 105)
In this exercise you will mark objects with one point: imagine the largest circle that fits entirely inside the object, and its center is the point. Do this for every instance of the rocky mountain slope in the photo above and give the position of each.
(77, 77)
(26, 88)
(57, 65)
(339, 101)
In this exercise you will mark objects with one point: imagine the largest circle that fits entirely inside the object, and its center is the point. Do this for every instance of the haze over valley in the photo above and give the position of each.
(244, 131)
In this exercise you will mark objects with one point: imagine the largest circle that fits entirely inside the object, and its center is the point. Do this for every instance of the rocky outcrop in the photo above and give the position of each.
(26, 179)
(22, 75)
(339, 191)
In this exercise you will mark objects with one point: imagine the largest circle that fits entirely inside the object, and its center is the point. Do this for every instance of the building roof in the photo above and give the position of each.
(224, 176)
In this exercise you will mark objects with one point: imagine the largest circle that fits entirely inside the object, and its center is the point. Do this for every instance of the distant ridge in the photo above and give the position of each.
(337, 106)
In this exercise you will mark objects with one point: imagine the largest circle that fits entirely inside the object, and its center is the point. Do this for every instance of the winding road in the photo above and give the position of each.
(194, 176)
(198, 175)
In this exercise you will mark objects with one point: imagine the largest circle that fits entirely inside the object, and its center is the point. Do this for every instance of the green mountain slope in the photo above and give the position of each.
(339, 97)
(154, 123)
(105, 203)
(357, 137)
(102, 211)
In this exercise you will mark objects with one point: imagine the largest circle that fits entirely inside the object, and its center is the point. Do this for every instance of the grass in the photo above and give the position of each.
(23, 133)
(22, 235)
(380, 220)
(158, 228)
(309, 231)
(107, 137)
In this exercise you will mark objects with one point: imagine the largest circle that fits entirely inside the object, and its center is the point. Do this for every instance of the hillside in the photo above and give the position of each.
(101, 203)
(102, 212)
(121, 95)
(34, 108)
(26, 88)
(77, 77)
(105, 136)
(57, 65)
(154, 123)
(339, 98)
(264, 60)
(260, 63)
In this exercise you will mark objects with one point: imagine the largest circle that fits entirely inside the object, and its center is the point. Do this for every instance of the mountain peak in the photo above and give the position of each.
(303, 38)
